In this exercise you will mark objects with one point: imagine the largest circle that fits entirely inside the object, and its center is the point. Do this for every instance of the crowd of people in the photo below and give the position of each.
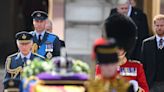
(126, 52)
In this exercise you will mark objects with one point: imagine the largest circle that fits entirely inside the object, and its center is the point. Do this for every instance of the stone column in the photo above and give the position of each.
(56, 15)
(151, 8)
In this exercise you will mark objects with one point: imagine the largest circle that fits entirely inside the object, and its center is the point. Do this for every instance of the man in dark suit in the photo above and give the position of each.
(45, 44)
(140, 19)
(16, 62)
(153, 56)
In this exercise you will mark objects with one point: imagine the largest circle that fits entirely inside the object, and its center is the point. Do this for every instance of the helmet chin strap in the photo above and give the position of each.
(122, 59)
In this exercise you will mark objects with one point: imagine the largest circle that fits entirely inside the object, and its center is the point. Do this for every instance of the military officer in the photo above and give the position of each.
(45, 44)
(105, 53)
(16, 62)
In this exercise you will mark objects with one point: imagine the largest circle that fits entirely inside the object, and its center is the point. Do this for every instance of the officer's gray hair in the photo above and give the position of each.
(19, 43)
(123, 2)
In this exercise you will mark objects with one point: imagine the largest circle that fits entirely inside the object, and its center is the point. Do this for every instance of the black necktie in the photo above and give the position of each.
(25, 60)
(39, 38)
(160, 43)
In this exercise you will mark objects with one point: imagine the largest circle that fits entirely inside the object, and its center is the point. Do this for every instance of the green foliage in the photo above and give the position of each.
(80, 66)
(37, 66)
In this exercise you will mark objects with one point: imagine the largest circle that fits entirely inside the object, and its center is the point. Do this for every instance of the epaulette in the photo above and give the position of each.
(13, 72)
(12, 55)
(49, 32)
(32, 32)
(38, 55)
(135, 61)
(52, 34)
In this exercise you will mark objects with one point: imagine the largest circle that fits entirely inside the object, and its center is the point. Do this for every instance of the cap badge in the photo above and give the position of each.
(24, 36)
(38, 15)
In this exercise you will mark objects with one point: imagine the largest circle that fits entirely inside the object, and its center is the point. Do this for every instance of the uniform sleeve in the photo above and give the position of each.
(7, 75)
(142, 79)
(57, 46)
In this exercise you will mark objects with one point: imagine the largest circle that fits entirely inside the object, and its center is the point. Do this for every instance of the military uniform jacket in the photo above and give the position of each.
(49, 46)
(132, 70)
(14, 65)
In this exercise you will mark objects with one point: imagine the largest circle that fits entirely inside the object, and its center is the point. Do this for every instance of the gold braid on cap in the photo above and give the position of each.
(107, 50)
(13, 72)
(34, 48)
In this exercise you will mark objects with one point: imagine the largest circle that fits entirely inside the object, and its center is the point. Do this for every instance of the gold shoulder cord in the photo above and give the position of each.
(34, 48)
(121, 85)
(100, 85)
(96, 86)
(13, 72)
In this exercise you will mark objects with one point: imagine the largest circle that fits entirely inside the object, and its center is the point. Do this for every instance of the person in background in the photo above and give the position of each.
(49, 28)
(45, 44)
(124, 7)
(153, 56)
(133, 3)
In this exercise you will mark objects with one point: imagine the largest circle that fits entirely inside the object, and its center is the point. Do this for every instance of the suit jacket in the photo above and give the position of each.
(148, 55)
(56, 43)
(14, 65)
(140, 20)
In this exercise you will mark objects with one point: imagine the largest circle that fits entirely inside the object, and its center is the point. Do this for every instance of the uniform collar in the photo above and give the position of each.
(28, 56)
(42, 34)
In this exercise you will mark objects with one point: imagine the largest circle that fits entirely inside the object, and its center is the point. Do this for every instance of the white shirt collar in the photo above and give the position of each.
(37, 34)
(28, 56)
(158, 38)
(130, 10)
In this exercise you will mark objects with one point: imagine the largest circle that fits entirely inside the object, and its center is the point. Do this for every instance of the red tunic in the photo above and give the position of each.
(132, 71)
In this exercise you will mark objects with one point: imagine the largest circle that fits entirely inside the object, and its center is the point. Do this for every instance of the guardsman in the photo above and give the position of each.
(45, 44)
(16, 62)
(123, 30)
(105, 53)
